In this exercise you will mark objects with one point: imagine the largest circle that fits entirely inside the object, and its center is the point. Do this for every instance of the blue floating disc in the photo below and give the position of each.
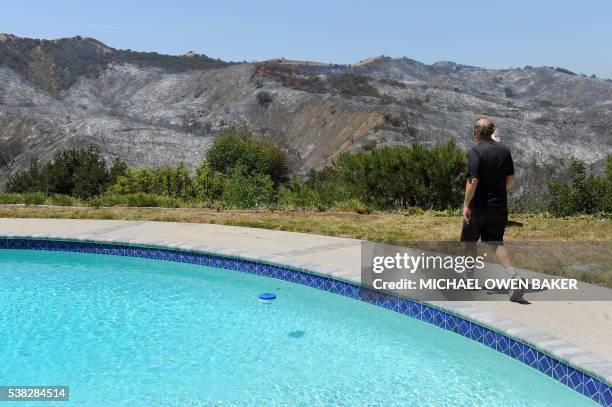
(267, 297)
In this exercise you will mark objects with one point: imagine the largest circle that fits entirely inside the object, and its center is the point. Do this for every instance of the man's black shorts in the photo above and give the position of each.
(487, 224)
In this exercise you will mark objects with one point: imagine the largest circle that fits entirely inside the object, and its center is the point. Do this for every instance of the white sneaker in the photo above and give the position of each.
(516, 295)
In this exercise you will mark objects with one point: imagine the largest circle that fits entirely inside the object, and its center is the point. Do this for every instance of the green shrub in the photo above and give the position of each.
(395, 177)
(105, 200)
(77, 172)
(164, 181)
(584, 194)
(413, 211)
(328, 186)
(238, 148)
(38, 198)
(34, 198)
(26, 180)
(242, 190)
(62, 200)
(118, 168)
(11, 199)
(89, 177)
(351, 205)
(208, 184)
(298, 196)
(452, 212)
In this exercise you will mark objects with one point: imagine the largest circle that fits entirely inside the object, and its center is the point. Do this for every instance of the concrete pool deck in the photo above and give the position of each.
(579, 332)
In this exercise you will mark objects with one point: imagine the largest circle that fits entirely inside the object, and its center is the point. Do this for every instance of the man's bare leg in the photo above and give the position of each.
(503, 255)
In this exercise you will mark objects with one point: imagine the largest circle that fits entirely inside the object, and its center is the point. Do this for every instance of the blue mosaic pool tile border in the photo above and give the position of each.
(577, 380)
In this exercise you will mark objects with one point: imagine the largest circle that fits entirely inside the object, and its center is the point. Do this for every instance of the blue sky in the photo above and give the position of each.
(576, 35)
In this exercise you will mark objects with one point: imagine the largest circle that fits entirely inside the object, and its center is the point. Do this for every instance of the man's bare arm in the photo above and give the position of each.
(509, 181)
(470, 190)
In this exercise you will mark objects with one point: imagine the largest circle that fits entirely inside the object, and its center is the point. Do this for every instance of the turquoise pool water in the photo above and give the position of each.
(139, 332)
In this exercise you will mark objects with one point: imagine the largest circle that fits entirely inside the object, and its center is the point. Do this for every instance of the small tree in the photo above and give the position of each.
(264, 98)
(90, 177)
(77, 172)
(238, 148)
(29, 180)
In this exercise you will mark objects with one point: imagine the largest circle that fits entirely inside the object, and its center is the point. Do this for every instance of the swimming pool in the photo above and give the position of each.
(123, 330)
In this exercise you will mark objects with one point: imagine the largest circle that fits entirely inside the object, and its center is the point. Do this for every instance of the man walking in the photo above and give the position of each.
(485, 205)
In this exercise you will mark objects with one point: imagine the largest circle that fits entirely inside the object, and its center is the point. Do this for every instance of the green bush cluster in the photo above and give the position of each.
(584, 193)
(238, 148)
(243, 190)
(298, 196)
(395, 177)
(241, 171)
(173, 182)
(76, 172)
(238, 171)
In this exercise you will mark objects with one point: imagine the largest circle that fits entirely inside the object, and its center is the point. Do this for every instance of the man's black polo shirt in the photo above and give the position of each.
(490, 162)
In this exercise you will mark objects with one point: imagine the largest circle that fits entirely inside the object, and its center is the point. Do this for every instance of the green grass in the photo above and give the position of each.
(134, 200)
(32, 198)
